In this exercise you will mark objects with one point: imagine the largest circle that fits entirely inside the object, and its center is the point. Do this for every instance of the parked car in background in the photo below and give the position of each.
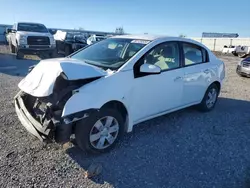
(243, 68)
(30, 38)
(229, 50)
(69, 42)
(95, 38)
(240, 51)
(243, 51)
(103, 90)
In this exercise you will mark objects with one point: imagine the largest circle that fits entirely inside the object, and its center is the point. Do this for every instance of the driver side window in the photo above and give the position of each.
(166, 56)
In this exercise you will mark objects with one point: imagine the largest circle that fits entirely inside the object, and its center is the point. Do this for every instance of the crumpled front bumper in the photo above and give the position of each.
(29, 122)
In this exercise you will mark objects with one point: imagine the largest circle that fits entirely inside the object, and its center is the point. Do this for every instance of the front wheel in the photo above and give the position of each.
(19, 55)
(210, 98)
(99, 132)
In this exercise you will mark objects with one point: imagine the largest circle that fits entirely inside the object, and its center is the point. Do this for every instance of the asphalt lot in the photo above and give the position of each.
(183, 149)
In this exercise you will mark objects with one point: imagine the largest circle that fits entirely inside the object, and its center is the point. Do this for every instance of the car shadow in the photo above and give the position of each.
(15, 67)
(186, 148)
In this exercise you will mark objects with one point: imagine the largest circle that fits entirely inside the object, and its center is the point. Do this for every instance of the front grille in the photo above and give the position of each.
(246, 64)
(38, 40)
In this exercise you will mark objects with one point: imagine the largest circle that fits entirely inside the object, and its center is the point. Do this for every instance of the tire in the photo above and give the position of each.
(53, 54)
(87, 127)
(19, 55)
(235, 54)
(205, 106)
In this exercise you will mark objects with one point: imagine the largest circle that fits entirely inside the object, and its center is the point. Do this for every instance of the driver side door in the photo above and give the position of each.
(155, 94)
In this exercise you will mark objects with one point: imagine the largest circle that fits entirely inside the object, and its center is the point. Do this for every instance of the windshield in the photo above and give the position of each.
(110, 53)
(32, 27)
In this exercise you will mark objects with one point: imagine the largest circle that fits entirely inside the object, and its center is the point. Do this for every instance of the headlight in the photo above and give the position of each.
(52, 40)
(22, 40)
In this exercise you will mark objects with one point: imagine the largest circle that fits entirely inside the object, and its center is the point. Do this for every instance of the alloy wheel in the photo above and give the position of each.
(104, 132)
(211, 98)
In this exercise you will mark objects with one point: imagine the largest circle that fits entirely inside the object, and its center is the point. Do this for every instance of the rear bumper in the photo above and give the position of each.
(26, 119)
(243, 71)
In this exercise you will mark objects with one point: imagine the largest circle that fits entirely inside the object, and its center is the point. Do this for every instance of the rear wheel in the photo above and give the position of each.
(100, 132)
(19, 55)
(53, 54)
(210, 98)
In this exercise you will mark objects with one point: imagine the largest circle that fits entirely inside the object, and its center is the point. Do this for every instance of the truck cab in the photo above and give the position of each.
(30, 38)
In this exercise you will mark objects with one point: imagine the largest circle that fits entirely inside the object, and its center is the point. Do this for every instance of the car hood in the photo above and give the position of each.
(40, 81)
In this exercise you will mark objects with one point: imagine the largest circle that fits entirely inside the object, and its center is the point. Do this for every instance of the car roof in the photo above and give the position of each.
(159, 37)
(153, 37)
(29, 23)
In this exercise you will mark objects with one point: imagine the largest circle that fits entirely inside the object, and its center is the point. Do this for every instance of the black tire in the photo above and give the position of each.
(19, 55)
(84, 127)
(235, 54)
(203, 106)
(53, 54)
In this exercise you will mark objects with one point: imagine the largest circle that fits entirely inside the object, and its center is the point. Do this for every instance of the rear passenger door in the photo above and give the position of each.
(197, 73)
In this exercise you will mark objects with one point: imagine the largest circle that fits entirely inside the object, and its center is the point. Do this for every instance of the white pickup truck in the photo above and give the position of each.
(30, 38)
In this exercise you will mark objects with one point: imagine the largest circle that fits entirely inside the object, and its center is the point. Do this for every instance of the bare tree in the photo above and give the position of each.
(182, 35)
(119, 30)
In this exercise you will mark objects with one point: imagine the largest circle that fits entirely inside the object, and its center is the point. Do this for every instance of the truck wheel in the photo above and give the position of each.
(100, 132)
(19, 55)
(53, 54)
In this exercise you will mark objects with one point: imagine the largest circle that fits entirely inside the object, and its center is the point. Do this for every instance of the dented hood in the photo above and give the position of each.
(40, 81)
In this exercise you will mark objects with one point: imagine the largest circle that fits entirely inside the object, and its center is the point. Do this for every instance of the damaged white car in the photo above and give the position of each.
(103, 90)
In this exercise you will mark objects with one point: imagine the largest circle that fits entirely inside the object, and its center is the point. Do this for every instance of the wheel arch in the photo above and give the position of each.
(218, 84)
(121, 107)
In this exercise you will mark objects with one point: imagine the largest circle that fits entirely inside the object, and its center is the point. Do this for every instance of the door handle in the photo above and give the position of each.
(206, 71)
(177, 78)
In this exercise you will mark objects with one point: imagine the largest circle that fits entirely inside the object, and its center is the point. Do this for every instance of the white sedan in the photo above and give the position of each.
(103, 90)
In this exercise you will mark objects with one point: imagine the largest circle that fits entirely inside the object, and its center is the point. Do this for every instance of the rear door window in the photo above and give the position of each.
(165, 56)
(194, 54)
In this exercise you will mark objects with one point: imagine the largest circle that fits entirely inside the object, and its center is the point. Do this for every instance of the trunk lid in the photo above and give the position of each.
(41, 80)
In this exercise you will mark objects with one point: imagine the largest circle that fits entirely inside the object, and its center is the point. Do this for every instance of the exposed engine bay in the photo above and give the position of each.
(44, 113)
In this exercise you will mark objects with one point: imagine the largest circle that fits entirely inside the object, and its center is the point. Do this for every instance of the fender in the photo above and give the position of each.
(94, 95)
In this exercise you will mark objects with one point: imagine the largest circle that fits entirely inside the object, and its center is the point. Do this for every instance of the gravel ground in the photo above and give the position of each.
(183, 149)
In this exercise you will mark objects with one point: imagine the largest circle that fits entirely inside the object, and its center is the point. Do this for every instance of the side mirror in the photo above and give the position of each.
(150, 69)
